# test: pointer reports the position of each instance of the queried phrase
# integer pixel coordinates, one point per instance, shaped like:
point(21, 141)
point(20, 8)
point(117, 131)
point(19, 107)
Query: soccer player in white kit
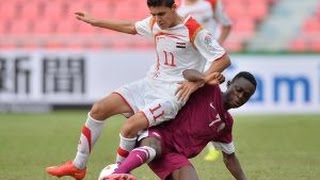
point(210, 14)
point(180, 44)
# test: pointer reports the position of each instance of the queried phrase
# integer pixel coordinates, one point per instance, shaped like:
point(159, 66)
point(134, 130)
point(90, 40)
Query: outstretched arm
point(124, 27)
point(196, 80)
point(196, 76)
point(232, 163)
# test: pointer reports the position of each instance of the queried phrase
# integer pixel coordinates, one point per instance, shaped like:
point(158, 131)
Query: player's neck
point(225, 103)
point(178, 20)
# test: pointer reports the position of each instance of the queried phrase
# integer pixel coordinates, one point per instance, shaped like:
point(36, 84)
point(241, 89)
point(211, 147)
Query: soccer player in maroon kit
point(205, 117)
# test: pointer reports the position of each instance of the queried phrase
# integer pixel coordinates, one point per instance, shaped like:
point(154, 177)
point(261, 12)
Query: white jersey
point(208, 13)
point(184, 46)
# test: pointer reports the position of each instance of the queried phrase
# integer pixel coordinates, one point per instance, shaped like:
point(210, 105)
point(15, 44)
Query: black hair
point(157, 3)
point(248, 76)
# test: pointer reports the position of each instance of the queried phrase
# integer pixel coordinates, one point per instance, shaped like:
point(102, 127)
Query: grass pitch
point(269, 147)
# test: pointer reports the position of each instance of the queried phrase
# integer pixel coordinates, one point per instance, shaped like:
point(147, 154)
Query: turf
point(270, 147)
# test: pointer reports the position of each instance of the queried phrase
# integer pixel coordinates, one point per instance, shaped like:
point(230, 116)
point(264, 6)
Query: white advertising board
point(286, 83)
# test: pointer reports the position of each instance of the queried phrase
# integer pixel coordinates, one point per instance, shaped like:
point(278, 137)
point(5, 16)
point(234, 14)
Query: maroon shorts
point(170, 160)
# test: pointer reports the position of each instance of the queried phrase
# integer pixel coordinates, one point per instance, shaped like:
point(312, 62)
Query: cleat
point(120, 177)
point(67, 169)
point(212, 155)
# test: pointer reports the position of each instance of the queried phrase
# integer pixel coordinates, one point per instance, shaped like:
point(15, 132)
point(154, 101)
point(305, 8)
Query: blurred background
point(49, 61)
point(259, 26)
point(47, 57)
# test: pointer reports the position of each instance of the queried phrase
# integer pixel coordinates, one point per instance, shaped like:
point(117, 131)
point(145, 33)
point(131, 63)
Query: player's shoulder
point(212, 88)
point(191, 23)
point(193, 26)
point(208, 91)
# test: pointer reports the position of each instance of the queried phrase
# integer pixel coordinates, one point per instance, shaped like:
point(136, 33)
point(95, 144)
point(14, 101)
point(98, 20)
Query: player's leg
point(134, 95)
point(101, 110)
point(212, 153)
point(150, 148)
point(123, 176)
point(151, 115)
point(169, 162)
point(128, 135)
point(186, 173)
point(152, 105)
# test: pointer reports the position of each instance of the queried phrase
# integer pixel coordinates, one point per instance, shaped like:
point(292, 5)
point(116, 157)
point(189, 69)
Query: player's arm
point(223, 19)
point(225, 31)
point(232, 163)
point(219, 64)
point(195, 80)
point(211, 50)
point(196, 76)
point(120, 26)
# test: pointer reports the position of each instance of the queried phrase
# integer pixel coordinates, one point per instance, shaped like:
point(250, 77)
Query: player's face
point(238, 92)
point(165, 17)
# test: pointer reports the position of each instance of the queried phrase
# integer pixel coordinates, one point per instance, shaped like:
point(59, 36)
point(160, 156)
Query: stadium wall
point(286, 83)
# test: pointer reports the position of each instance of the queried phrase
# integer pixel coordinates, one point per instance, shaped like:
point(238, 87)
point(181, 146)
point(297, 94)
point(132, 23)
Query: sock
point(90, 133)
point(211, 147)
point(136, 158)
point(125, 146)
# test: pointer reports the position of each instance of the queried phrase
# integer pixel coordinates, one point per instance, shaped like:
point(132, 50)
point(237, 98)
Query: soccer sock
point(211, 147)
point(136, 158)
point(89, 135)
point(125, 146)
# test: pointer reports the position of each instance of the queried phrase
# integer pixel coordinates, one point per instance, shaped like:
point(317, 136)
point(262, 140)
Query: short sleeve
point(228, 148)
point(208, 46)
point(143, 27)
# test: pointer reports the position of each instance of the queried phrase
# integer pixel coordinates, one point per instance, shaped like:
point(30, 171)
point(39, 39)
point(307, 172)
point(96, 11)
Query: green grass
point(269, 147)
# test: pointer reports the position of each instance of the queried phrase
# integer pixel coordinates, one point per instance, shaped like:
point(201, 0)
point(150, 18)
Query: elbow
point(132, 30)
point(227, 61)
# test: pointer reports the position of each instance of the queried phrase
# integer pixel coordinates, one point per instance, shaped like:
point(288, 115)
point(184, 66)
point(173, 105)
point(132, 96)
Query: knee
point(134, 124)
point(98, 112)
point(128, 129)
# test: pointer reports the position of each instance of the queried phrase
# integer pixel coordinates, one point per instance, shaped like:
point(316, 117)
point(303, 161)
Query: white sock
point(89, 135)
point(151, 153)
point(211, 146)
point(125, 146)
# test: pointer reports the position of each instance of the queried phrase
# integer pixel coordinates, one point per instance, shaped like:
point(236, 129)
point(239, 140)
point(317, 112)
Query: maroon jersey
point(201, 120)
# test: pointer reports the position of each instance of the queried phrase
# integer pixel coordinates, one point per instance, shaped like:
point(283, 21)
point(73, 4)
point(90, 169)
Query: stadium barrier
point(286, 83)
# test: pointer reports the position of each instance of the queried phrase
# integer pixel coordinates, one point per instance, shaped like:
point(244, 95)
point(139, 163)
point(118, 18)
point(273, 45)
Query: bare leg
point(185, 173)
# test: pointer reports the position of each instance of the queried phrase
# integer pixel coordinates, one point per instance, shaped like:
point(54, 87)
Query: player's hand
point(214, 78)
point(186, 88)
point(85, 17)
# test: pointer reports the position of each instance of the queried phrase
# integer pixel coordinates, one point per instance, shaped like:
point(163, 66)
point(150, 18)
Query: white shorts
point(155, 99)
